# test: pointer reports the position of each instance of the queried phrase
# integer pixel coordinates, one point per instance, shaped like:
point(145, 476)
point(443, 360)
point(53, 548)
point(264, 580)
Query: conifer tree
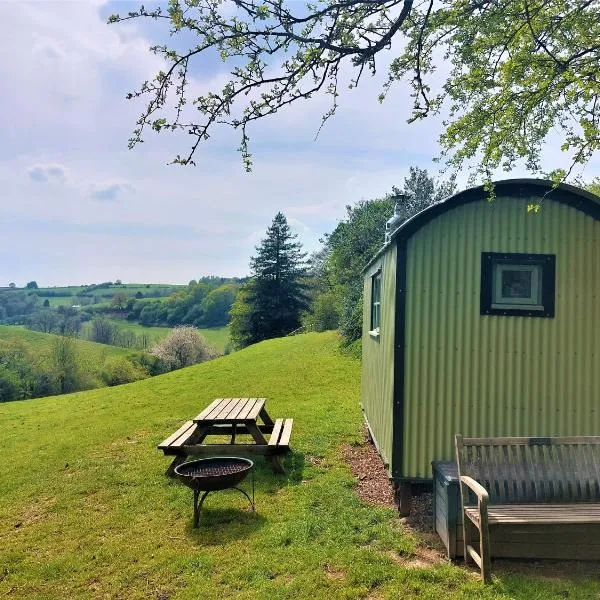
point(271, 304)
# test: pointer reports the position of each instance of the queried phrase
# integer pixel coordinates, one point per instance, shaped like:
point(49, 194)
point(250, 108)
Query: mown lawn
point(86, 511)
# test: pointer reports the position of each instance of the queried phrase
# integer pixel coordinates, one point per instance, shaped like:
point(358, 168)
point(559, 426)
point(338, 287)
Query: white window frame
point(375, 315)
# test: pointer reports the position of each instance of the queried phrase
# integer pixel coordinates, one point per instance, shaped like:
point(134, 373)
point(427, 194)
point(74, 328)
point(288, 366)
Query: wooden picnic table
point(232, 417)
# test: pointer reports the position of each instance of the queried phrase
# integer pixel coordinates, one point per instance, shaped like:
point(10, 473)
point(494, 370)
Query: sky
point(79, 207)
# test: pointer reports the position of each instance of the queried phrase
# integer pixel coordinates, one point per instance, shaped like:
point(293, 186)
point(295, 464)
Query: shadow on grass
point(222, 525)
point(550, 571)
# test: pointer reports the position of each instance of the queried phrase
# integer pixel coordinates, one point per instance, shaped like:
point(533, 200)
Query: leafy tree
point(516, 69)
point(119, 300)
point(593, 186)
point(10, 385)
point(358, 237)
point(32, 285)
point(103, 331)
point(65, 365)
point(218, 303)
point(46, 303)
point(276, 296)
point(16, 305)
point(324, 314)
point(44, 321)
point(12, 285)
point(118, 370)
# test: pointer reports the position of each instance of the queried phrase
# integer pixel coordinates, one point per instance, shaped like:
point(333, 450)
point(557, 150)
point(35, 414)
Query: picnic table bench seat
point(529, 497)
point(173, 444)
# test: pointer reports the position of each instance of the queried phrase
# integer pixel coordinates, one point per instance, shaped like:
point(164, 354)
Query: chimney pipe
point(399, 215)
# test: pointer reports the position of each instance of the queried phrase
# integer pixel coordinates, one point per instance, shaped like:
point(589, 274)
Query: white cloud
point(111, 191)
point(47, 173)
point(63, 104)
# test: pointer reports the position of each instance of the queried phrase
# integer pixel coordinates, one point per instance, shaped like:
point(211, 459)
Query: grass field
point(90, 351)
point(88, 513)
point(216, 336)
point(104, 295)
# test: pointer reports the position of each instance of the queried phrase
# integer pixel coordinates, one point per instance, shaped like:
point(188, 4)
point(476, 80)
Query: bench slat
point(184, 437)
point(539, 514)
point(287, 432)
point(183, 429)
point(274, 439)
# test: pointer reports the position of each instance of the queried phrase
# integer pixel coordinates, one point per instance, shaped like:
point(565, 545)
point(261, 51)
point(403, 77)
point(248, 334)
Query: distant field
point(90, 351)
point(151, 290)
point(217, 336)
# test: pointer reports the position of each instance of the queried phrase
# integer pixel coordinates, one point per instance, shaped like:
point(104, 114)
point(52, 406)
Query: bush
point(183, 347)
point(65, 366)
point(10, 385)
point(324, 314)
point(118, 370)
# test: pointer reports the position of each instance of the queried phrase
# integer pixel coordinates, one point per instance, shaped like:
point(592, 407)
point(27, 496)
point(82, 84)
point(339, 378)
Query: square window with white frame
point(518, 284)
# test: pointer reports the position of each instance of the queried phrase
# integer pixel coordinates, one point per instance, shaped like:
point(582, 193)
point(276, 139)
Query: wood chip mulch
point(374, 486)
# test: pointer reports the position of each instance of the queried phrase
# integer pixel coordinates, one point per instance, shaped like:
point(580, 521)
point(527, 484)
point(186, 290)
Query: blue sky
point(79, 207)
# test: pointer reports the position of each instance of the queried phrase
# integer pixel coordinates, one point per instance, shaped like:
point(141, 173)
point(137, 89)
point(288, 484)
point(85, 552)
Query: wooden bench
point(529, 497)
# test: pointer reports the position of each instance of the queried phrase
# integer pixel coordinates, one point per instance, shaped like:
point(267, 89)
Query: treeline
point(200, 304)
point(336, 269)
point(203, 303)
point(62, 364)
point(15, 305)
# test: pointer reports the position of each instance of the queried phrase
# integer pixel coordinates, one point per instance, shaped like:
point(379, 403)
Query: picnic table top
point(232, 410)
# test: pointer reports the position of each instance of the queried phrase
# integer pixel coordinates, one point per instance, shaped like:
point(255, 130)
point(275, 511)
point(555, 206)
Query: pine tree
point(271, 304)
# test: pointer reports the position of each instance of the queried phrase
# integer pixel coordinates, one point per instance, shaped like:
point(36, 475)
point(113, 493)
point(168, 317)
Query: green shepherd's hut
point(482, 318)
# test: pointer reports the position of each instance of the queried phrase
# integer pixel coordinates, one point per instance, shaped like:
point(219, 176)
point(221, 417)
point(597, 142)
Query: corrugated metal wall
point(498, 375)
point(377, 381)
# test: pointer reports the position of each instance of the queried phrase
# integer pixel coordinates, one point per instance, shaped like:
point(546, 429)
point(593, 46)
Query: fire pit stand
point(213, 474)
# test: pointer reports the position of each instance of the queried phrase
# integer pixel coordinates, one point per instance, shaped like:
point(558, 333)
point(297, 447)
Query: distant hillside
point(34, 364)
point(90, 350)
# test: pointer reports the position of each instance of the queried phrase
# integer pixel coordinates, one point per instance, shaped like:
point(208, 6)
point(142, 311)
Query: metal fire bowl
point(215, 473)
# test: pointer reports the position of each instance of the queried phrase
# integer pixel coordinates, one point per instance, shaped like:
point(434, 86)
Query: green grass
point(216, 336)
point(104, 294)
point(89, 351)
point(88, 513)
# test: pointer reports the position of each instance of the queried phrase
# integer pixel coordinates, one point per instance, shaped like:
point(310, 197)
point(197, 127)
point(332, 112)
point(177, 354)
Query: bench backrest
point(523, 470)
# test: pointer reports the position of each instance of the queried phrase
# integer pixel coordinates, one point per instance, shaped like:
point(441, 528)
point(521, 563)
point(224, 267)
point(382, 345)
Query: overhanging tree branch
point(499, 53)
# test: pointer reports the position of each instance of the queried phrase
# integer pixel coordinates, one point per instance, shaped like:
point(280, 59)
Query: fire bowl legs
point(199, 501)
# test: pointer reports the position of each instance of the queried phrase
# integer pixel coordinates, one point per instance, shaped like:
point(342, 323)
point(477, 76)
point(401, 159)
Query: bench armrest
point(476, 488)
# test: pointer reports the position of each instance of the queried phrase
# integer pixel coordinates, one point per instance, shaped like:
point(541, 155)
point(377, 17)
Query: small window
point(376, 302)
point(518, 284)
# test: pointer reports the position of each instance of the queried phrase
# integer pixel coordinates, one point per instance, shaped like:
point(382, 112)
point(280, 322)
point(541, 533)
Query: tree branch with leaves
point(519, 70)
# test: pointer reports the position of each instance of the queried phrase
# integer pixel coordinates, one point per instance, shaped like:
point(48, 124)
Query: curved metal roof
point(564, 193)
